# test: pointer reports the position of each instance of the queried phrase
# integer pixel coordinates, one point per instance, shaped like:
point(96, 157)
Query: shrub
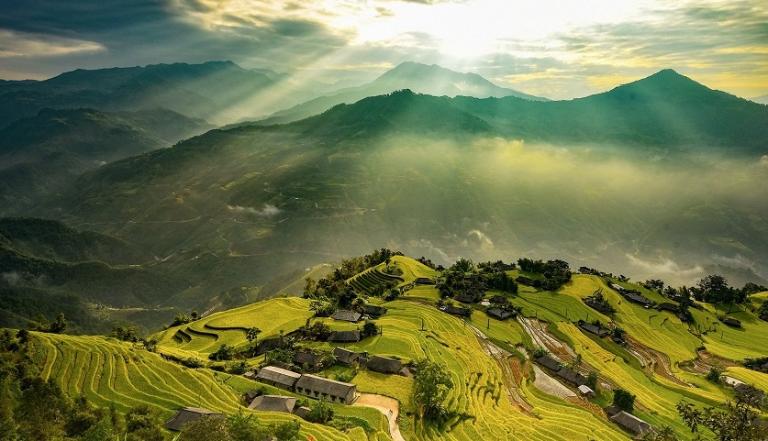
point(624, 400)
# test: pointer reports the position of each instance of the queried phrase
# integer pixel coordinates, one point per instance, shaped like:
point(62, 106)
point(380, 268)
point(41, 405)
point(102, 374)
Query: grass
point(229, 327)
point(109, 372)
point(478, 391)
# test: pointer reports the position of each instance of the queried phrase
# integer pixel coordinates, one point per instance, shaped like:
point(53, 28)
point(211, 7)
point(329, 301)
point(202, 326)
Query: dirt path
point(549, 385)
point(538, 332)
point(653, 361)
point(389, 407)
point(502, 357)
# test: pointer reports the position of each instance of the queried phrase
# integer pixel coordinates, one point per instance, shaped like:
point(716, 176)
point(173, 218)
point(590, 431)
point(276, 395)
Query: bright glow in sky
point(554, 48)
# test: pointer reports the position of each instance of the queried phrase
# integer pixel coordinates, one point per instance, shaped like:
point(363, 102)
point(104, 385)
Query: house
point(571, 376)
point(273, 403)
point(345, 356)
point(345, 336)
point(251, 375)
point(612, 410)
point(331, 390)
point(373, 311)
point(278, 377)
point(498, 300)
point(187, 415)
point(586, 391)
point(732, 322)
point(307, 359)
point(384, 365)
point(499, 313)
point(730, 381)
point(456, 310)
point(631, 423)
point(465, 297)
point(637, 298)
point(268, 344)
point(549, 362)
point(666, 306)
point(593, 328)
point(617, 287)
point(302, 412)
point(346, 315)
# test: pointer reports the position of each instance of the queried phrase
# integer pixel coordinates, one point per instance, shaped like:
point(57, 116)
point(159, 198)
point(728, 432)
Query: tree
point(288, 431)
point(320, 412)
point(735, 422)
point(225, 352)
point(59, 325)
point(592, 381)
point(714, 374)
point(143, 424)
point(430, 389)
point(369, 329)
point(207, 428)
point(252, 334)
point(624, 400)
point(246, 428)
point(310, 287)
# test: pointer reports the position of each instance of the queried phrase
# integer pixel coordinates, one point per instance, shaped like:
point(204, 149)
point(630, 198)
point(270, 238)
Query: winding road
point(389, 407)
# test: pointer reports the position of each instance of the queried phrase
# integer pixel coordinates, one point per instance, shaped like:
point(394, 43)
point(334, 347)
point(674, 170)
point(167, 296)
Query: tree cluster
point(556, 272)
point(430, 389)
point(238, 427)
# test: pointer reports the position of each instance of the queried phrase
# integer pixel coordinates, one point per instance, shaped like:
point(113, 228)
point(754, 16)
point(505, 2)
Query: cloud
point(665, 267)
point(19, 44)
point(478, 239)
point(268, 210)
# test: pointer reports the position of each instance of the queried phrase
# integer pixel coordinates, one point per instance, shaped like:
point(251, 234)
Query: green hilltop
point(501, 387)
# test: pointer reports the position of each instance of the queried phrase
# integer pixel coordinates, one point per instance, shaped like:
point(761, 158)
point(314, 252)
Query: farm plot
point(229, 327)
point(478, 396)
point(108, 373)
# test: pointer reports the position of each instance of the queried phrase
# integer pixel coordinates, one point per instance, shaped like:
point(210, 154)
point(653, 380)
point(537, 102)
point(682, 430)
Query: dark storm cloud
point(149, 31)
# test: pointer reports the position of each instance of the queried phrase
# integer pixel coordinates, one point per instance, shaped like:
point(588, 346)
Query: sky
point(554, 48)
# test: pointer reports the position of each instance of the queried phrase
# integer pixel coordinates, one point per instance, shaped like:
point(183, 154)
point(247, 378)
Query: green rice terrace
point(527, 355)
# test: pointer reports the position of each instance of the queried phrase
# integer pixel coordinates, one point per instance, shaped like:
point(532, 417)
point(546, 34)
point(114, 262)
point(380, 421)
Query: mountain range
point(221, 215)
point(420, 78)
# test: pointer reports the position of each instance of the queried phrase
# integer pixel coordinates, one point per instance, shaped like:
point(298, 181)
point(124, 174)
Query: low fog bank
point(640, 213)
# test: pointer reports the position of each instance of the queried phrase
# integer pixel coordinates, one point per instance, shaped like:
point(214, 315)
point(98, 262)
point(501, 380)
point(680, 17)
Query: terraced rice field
point(478, 391)
point(656, 398)
point(207, 334)
point(661, 331)
point(368, 280)
point(108, 373)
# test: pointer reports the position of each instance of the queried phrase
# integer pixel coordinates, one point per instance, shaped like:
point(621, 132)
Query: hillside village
point(593, 353)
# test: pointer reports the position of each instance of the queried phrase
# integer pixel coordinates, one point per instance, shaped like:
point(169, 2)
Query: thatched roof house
point(345, 336)
point(346, 315)
point(593, 329)
point(278, 377)
point(572, 376)
point(384, 365)
point(549, 362)
point(331, 390)
point(273, 403)
point(631, 423)
point(345, 356)
point(373, 311)
point(307, 358)
point(586, 391)
point(187, 415)
point(454, 310)
point(499, 313)
point(637, 298)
